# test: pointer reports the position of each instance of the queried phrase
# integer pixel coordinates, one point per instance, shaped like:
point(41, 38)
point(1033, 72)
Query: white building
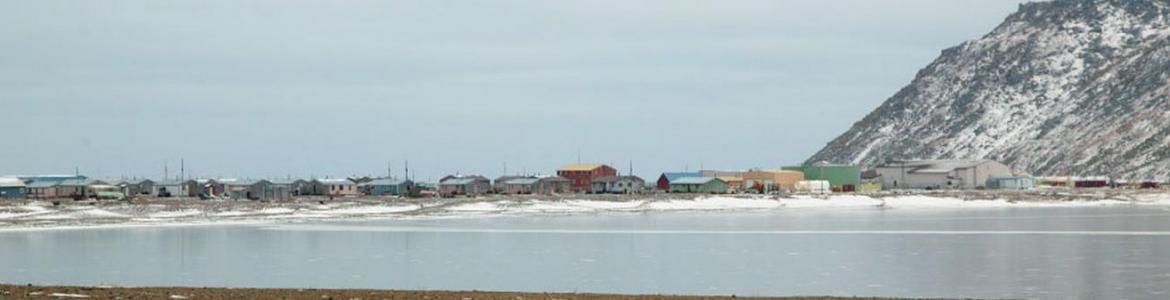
point(940, 174)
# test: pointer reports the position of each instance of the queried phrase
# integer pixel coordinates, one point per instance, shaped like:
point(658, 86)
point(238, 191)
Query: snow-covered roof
point(694, 180)
point(11, 182)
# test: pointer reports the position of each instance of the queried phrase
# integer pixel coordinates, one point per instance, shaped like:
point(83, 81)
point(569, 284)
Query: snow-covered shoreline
point(45, 216)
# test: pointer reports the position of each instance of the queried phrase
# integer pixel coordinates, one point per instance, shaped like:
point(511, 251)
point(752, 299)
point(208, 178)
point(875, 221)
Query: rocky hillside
point(1065, 87)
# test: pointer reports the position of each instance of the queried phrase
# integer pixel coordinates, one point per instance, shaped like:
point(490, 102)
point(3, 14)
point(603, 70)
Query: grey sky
point(326, 88)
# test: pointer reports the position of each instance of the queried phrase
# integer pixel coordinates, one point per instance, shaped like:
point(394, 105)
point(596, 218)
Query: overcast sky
point(327, 88)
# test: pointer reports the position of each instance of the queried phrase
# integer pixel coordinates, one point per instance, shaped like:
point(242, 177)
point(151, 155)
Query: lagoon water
point(1119, 252)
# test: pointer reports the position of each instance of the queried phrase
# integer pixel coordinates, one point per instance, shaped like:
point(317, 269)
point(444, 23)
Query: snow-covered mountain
point(1065, 87)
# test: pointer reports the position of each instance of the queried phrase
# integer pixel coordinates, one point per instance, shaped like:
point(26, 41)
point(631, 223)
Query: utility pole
point(182, 169)
point(166, 172)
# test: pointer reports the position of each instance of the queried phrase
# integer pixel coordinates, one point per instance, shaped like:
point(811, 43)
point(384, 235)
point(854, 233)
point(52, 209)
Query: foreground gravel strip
point(60, 292)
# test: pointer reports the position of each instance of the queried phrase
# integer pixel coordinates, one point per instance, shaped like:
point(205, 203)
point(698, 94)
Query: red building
point(581, 175)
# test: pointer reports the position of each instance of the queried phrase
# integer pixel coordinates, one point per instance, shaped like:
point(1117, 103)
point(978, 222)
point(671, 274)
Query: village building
point(718, 173)
point(41, 190)
point(665, 179)
point(769, 181)
point(241, 189)
point(170, 189)
point(552, 185)
point(260, 190)
point(451, 186)
point(299, 187)
point(1012, 182)
point(498, 184)
point(277, 190)
point(814, 186)
point(581, 176)
point(940, 174)
point(841, 178)
point(332, 187)
point(704, 185)
point(602, 185)
point(628, 184)
point(105, 192)
point(734, 184)
point(78, 189)
point(205, 188)
point(386, 187)
point(136, 187)
point(514, 185)
point(12, 188)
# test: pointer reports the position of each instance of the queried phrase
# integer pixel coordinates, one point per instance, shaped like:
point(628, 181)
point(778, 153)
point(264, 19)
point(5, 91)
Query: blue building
point(386, 187)
point(11, 188)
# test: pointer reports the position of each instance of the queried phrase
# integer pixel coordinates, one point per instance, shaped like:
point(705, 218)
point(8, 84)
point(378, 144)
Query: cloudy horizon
point(266, 89)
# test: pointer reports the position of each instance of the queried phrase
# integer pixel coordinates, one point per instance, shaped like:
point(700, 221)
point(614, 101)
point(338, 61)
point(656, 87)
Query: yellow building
point(734, 184)
point(765, 181)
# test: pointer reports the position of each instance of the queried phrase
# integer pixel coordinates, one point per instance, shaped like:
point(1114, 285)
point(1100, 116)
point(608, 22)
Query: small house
point(451, 186)
point(386, 187)
point(136, 187)
point(665, 179)
point(628, 184)
point(41, 190)
point(170, 189)
point(498, 184)
point(602, 185)
point(552, 185)
point(514, 185)
point(333, 187)
point(704, 185)
point(12, 188)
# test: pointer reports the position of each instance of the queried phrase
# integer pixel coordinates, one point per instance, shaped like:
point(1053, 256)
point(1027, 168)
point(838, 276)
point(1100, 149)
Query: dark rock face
point(1067, 87)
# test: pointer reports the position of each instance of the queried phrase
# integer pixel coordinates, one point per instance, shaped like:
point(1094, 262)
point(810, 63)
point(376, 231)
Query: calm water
point(1050, 253)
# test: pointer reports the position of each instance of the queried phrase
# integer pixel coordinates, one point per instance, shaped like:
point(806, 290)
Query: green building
point(844, 178)
point(705, 185)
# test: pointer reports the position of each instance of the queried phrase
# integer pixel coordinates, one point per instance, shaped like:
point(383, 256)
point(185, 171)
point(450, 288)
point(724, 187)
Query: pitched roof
point(43, 184)
point(580, 167)
point(525, 181)
point(694, 180)
point(11, 182)
point(334, 181)
point(386, 181)
point(672, 176)
point(461, 180)
point(554, 178)
point(632, 178)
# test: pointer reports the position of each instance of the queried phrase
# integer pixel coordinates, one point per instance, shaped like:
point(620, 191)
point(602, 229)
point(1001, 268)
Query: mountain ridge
point(1074, 87)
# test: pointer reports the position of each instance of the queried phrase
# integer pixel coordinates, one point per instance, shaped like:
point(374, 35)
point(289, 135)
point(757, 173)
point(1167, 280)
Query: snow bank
point(79, 216)
point(714, 203)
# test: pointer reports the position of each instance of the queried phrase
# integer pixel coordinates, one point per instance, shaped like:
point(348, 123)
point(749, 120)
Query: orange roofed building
point(581, 175)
